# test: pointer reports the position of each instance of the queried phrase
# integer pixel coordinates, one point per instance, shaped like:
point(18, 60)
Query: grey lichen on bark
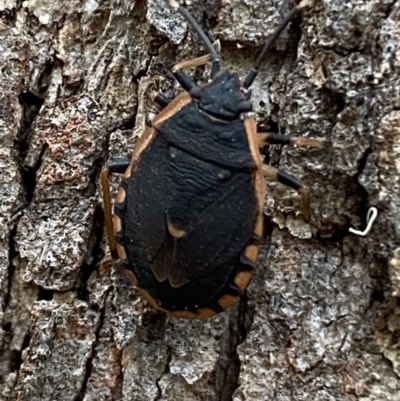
point(321, 317)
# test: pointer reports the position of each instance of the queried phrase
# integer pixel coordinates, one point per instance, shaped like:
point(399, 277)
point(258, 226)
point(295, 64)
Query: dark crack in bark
point(240, 321)
point(92, 356)
point(94, 254)
point(333, 101)
point(30, 108)
point(166, 370)
point(11, 267)
point(31, 105)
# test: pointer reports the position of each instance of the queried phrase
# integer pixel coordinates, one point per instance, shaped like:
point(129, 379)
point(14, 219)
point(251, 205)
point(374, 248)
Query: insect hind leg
point(118, 166)
point(273, 174)
point(271, 138)
point(160, 100)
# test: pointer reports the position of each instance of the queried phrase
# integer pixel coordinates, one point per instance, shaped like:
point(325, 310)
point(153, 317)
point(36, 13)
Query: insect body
point(188, 215)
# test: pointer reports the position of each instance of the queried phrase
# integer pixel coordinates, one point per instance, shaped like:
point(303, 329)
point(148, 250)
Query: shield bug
point(188, 216)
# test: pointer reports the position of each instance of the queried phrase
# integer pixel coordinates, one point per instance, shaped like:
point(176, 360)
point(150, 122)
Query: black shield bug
point(188, 216)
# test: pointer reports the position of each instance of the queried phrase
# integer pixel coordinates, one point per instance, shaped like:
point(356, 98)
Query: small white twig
point(371, 216)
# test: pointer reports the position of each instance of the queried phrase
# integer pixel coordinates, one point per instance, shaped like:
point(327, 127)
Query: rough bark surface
point(321, 320)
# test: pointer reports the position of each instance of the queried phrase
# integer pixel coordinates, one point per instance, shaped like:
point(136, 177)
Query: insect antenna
point(251, 76)
point(199, 30)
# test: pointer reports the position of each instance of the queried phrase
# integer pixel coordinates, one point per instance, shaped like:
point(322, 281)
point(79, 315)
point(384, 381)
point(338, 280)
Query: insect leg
point(273, 174)
point(195, 62)
point(184, 80)
point(108, 215)
point(117, 166)
point(160, 100)
point(270, 138)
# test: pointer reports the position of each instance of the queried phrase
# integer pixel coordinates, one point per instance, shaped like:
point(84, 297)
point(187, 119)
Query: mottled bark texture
point(321, 320)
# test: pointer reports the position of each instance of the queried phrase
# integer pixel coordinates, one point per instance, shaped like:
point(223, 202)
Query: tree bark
point(320, 320)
